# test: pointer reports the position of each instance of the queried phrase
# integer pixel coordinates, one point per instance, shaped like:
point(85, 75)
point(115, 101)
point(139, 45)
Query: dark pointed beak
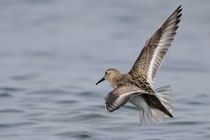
point(100, 81)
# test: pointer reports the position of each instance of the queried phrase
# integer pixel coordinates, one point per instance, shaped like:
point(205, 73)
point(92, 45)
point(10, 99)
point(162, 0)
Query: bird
point(136, 86)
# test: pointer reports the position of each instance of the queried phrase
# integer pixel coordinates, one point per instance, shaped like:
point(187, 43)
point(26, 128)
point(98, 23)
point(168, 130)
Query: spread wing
point(156, 47)
point(120, 96)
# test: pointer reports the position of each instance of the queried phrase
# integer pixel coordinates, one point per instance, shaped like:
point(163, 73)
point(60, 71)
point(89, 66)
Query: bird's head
point(112, 75)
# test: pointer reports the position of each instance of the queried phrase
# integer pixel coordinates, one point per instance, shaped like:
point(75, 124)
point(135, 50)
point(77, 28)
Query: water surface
point(53, 52)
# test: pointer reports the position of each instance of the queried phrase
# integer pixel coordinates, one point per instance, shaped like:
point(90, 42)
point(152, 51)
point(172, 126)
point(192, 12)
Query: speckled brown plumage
point(159, 43)
point(137, 83)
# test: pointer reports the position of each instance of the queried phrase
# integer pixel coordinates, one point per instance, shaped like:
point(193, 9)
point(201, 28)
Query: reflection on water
point(53, 53)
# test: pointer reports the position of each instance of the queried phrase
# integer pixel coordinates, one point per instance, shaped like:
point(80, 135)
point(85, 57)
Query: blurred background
point(52, 52)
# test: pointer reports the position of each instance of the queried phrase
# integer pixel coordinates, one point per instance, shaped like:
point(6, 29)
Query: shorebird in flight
point(136, 86)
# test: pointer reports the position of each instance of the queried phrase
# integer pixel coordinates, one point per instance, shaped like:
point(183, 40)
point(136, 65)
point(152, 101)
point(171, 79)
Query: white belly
point(139, 102)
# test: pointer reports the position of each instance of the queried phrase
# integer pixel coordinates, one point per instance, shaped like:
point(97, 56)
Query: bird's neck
point(116, 80)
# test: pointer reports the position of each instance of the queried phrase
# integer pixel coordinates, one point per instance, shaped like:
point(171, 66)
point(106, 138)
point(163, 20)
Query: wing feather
point(153, 53)
point(120, 96)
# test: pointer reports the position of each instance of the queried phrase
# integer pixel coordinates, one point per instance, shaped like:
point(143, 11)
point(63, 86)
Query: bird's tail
point(165, 95)
point(151, 115)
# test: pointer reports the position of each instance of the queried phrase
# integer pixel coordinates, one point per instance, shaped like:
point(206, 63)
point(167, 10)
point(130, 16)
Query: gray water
point(52, 52)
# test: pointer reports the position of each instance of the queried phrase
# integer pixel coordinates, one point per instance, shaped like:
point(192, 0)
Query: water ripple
point(88, 117)
point(186, 123)
point(76, 134)
point(67, 102)
point(24, 77)
point(11, 111)
point(11, 89)
point(50, 92)
point(5, 95)
point(19, 124)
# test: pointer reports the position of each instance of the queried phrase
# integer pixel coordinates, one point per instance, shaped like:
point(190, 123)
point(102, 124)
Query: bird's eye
point(105, 73)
